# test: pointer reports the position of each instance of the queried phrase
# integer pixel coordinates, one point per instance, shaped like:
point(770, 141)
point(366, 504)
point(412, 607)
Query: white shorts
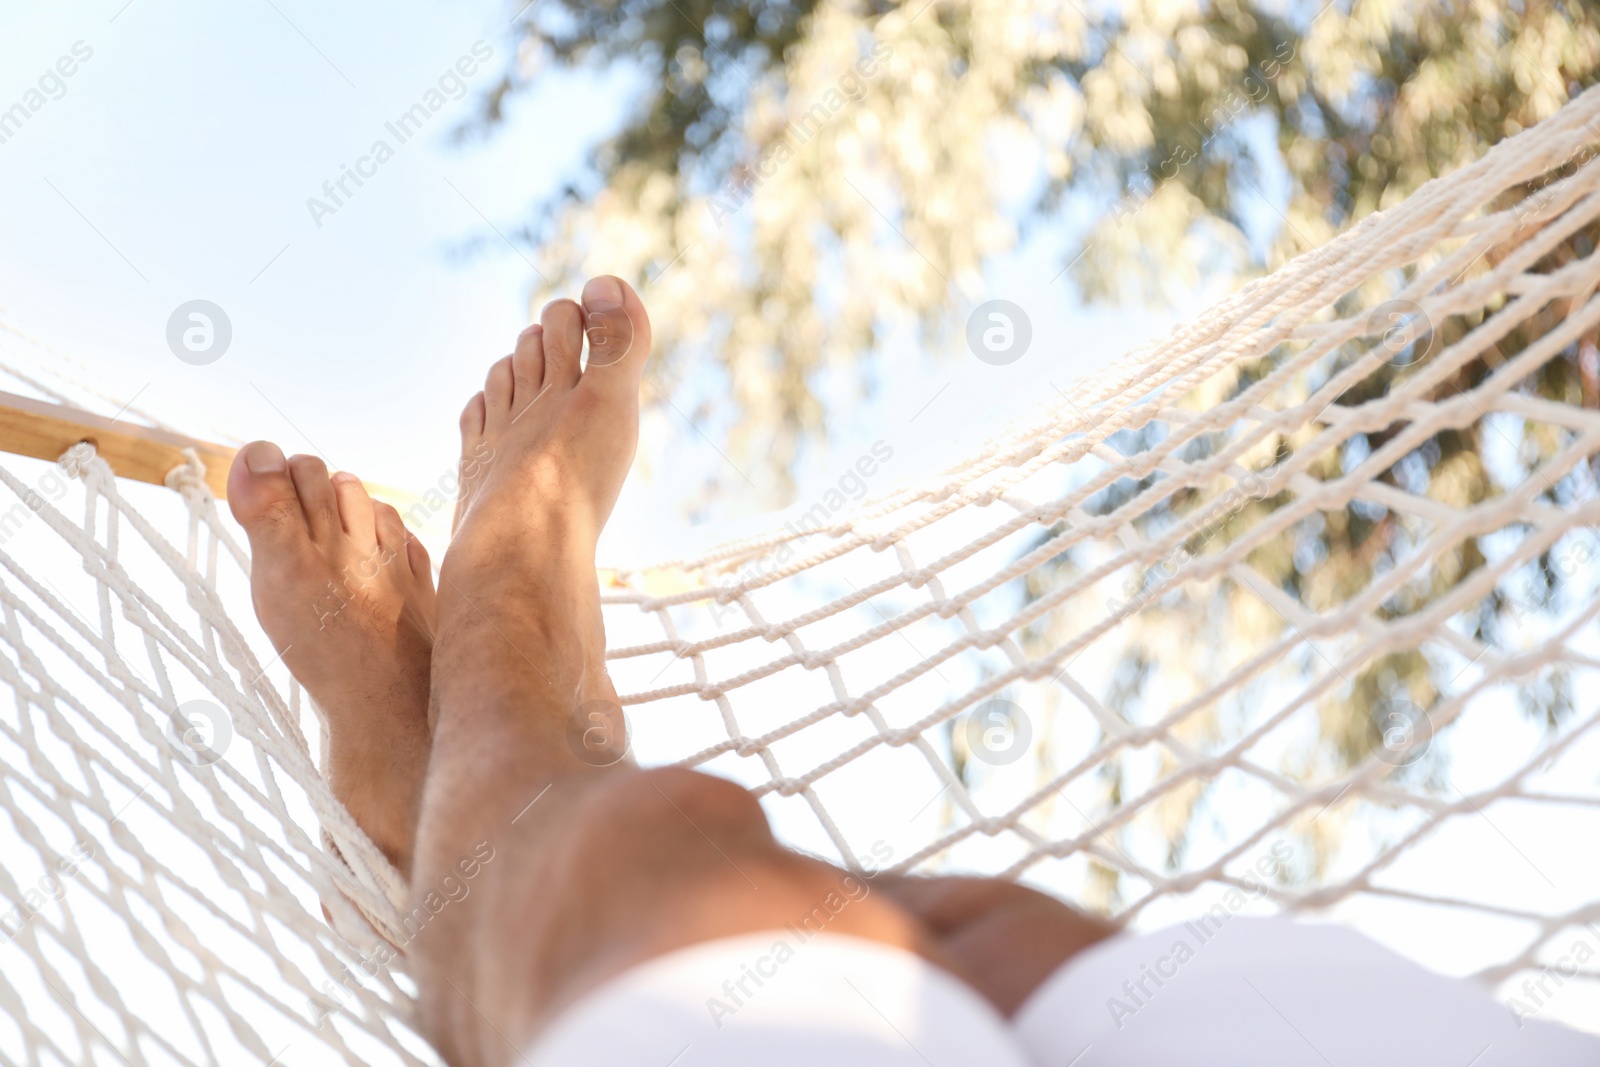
point(1250, 993)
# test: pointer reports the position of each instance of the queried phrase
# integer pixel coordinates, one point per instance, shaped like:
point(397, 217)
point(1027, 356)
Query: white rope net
point(1291, 609)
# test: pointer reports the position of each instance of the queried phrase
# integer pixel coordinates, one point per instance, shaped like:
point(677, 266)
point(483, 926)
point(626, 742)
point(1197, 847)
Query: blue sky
point(177, 161)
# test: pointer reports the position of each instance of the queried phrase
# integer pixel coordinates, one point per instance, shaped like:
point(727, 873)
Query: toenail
point(610, 333)
point(345, 478)
point(264, 457)
point(532, 331)
point(603, 288)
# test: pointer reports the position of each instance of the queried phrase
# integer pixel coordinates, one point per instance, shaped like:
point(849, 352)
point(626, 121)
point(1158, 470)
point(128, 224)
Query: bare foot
point(546, 447)
point(346, 595)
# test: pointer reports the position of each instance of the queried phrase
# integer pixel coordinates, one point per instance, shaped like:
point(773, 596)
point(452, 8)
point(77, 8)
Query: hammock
point(1105, 655)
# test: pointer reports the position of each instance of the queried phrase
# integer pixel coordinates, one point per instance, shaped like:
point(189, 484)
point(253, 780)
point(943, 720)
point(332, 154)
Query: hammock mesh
point(1113, 655)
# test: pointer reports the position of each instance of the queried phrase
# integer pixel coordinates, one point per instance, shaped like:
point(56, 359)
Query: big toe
point(262, 496)
point(617, 327)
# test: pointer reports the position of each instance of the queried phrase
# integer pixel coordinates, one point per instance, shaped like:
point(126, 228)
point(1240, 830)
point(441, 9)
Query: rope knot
point(76, 460)
point(189, 477)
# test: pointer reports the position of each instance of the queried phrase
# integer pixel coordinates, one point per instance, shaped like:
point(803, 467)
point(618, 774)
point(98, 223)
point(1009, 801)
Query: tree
point(800, 175)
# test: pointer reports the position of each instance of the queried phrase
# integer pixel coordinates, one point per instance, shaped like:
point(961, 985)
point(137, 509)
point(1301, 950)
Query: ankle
point(538, 653)
point(536, 539)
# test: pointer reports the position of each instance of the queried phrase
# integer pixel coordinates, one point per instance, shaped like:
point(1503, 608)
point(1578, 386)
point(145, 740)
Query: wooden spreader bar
point(36, 428)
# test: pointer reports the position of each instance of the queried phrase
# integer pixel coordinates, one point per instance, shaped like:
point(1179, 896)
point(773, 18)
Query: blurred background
point(820, 203)
point(813, 199)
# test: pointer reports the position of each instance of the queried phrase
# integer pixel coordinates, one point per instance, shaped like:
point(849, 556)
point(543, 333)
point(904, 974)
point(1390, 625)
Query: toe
point(262, 496)
point(417, 557)
point(472, 421)
point(497, 390)
point(618, 327)
point(527, 367)
point(391, 532)
point(563, 342)
point(355, 509)
point(404, 554)
point(317, 499)
point(390, 528)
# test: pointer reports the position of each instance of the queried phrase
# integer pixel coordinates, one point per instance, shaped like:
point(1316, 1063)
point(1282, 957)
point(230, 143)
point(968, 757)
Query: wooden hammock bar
point(42, 430)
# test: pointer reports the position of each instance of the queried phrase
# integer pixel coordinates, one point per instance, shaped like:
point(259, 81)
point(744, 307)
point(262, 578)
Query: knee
point(668, 802)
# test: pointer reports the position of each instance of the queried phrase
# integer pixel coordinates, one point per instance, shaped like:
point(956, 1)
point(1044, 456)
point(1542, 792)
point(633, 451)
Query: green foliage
point(1173, 143)
point(1170, 120)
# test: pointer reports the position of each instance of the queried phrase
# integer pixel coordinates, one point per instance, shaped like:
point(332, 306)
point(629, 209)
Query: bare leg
point(611, 865)
point(355, 610)
point(346, 595)
point(595, 868)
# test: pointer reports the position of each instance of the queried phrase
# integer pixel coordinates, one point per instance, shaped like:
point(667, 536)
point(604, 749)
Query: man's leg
point(343, 588)
point(346, 595)
point(595, 868)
